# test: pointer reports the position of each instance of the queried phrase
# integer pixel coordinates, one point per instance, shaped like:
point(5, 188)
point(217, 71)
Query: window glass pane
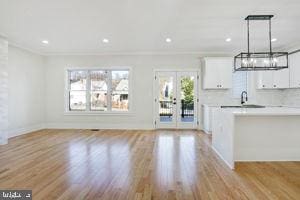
point(99, 101)
point(120, 80)
point(98, 80)
point(78, 80)
point(77, 100)
point(119, 101)
point(120, 87)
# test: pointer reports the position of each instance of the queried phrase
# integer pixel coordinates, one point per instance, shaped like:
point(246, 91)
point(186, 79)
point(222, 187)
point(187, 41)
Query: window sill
point(97, 113)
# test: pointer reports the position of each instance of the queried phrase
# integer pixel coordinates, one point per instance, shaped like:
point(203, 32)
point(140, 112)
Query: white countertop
point(263, 111)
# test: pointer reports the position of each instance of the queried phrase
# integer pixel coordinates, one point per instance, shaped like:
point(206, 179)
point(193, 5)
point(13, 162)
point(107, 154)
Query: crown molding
point(11, 43)
point(140, 53)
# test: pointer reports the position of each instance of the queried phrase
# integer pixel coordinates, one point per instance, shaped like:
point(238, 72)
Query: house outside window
point(98, 90)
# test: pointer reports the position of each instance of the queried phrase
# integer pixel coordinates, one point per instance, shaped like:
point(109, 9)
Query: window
point(98, 90)
point(239, 83)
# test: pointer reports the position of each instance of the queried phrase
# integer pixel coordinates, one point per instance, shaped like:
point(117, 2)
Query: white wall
point(26, 91)
point(143, 66)
point(3, 91)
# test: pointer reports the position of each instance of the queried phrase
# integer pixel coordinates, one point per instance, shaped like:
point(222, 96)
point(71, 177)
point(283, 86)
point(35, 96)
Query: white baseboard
point(220, 156)
point(99, 126)
point(20, 131)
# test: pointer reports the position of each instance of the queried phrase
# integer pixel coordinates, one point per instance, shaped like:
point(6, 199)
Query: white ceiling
point(141, 26)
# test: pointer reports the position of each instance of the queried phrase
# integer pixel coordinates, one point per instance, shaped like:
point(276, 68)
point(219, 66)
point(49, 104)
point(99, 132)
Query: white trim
point(87, 111)
point(81, 113)
point(101, 126)
point(222, 158)
point(269, 160)
point(142, 53)
point(24, 130)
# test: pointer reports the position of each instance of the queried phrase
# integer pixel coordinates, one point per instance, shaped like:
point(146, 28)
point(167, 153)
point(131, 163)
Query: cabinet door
point(281, 79)
point(206, 119)
point(225, 73)
point(217, 73)
point(294, 65)
point(265, 80)
point(210, 74)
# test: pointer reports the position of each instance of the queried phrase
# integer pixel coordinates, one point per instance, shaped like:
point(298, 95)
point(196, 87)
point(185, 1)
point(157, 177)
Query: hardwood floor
point(136, 165)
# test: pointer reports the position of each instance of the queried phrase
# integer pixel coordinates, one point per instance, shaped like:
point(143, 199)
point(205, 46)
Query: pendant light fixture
point(259, 61)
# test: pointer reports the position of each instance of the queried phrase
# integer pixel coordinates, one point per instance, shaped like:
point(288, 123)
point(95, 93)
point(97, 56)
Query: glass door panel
point(176, 100)
point(166, 100)
point(187, 98)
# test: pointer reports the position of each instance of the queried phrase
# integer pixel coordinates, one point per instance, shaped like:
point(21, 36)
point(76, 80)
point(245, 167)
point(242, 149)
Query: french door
point(175, 96)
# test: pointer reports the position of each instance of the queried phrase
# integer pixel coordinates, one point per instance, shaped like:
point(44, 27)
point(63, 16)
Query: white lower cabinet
point(207, 118)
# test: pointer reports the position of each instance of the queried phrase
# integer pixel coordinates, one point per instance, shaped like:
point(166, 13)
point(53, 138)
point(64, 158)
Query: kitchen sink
point(245, 106)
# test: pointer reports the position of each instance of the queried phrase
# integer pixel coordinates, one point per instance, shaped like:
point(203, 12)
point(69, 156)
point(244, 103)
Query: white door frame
point(176, 123)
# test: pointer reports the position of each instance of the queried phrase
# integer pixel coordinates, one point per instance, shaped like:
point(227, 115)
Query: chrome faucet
point(244, 95)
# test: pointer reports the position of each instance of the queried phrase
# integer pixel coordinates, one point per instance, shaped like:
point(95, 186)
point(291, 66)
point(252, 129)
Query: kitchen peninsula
point(256, 134)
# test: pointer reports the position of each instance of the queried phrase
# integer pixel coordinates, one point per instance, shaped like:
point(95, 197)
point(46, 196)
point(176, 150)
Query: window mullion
point(109, 90)
point(88, 92)
point(69, 90)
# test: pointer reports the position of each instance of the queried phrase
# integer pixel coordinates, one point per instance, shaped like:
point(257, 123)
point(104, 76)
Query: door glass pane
point(166, 93)
point(120, 90)
point(99, 100)
point(187, 98)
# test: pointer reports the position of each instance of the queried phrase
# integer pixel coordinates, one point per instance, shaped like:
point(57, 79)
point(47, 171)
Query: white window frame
point(67, 111)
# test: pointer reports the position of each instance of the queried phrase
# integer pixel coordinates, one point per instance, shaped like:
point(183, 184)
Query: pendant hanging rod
point(248, 35)
point(270, 35)
point(259, 17)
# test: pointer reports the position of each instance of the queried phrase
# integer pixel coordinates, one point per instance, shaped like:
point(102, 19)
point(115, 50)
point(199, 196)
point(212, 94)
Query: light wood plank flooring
point(136, 165)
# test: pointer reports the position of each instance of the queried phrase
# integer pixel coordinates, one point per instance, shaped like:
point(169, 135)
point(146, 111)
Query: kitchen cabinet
point(273, 79)
point(217, 72)
point(207, 117)
point(294, 65)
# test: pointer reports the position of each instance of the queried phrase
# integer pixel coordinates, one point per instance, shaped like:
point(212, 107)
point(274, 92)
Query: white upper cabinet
point(265, 79)
point(273, 79)
point(217, 72)
point(294, 65)
point(281, 79)
point(278, 79)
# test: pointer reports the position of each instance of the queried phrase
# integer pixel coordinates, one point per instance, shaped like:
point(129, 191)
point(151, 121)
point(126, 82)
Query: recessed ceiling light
point(105, 40)
point(168, 40)
point(45, 42)
point(228, 39)
point(274, 39)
